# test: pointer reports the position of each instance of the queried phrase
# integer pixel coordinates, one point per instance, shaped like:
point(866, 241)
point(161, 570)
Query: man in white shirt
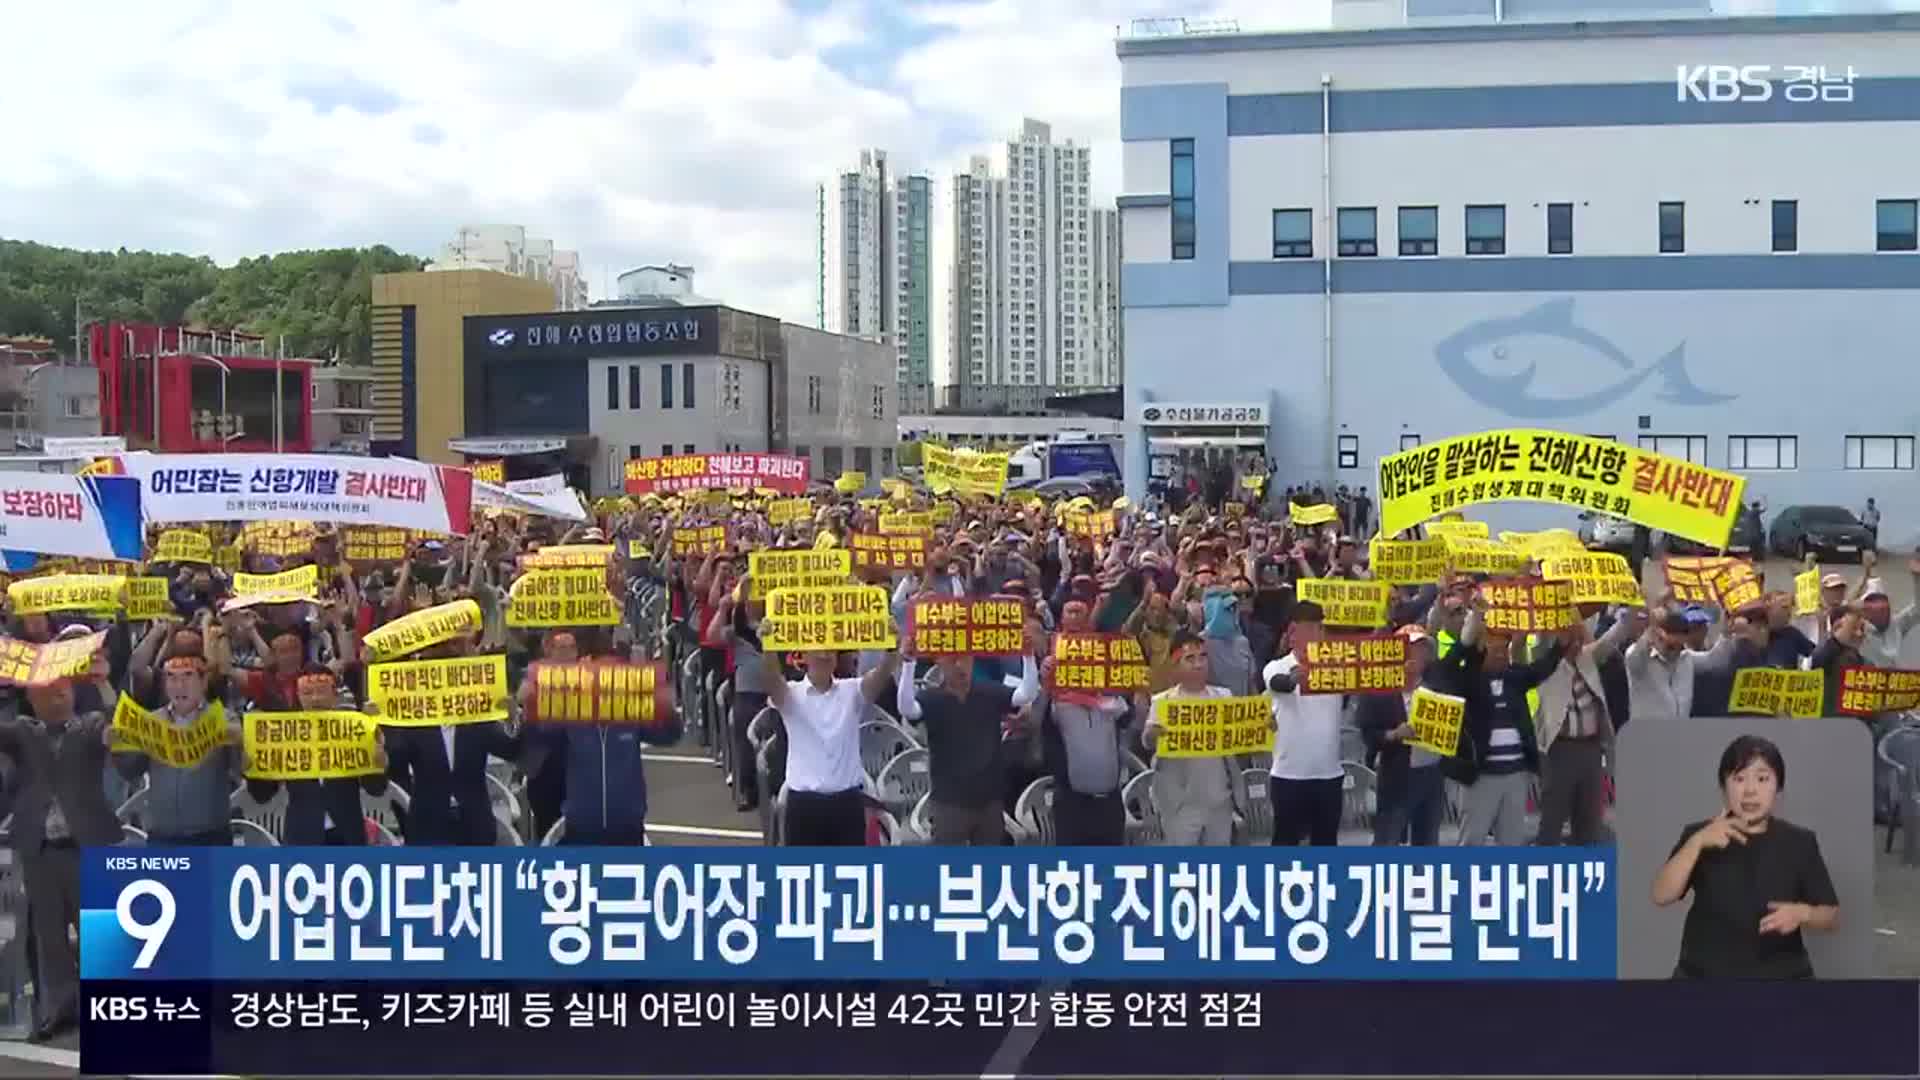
point(1660, 668)
point(826, 806)
point(1307, 786)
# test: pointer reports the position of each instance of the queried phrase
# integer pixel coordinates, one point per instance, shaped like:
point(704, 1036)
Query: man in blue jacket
point(606, 778)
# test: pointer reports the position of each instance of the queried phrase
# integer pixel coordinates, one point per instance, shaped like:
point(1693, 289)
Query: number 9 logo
point(150, 935)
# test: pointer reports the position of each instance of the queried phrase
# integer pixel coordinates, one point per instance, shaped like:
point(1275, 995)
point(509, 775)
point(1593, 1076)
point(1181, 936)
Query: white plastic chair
point(555, 834)
point(1257, 828)
point(378, 835)
point(384, 809)
point(131, 836)
point(505, 832)
point(249, 833)
point(507, 803)
point(919, 830)
point(134, 810)
point(880, 742)
point(1034, 811)
point(1130, 765)
point(270, 816)
point(904, 781)
point(1143, 818)
point(1359, 796)
point(889, 828)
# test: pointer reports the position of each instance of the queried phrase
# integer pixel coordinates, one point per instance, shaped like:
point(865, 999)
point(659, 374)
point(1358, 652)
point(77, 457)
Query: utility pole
point(279, 423)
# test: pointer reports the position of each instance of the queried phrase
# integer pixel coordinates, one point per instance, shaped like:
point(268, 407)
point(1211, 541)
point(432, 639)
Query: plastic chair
point(1353, 747)
point(249, 833)
point(555, 834)
point(384, 809)
point(1130, 765)
point(1359, 795)
point(131, 836)
point(723, 724)
point(1143, 817)
point(710, 714)
point(379, 835)
point(904, 781)
point(134, 810)
point(880, 742)
point(883, 828)
point(505, 832)
point(919, 828)
point(687, 694)
point(270, 816)
point(1258, 825)
point(1899, 753)
point(507, 803)
point(16, 985)
point(1034, 812)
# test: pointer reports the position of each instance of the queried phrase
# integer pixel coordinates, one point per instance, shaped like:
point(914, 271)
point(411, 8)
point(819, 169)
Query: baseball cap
point(1833, 581)
point(1696, 615)
point(1875, 587)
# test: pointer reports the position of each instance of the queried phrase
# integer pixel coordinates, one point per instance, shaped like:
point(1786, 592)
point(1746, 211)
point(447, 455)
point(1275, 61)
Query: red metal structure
point(179, 390)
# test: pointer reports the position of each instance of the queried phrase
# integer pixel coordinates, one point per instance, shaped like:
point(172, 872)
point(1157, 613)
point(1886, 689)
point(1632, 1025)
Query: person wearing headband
point(1195, 796)
point(320, 812)
point(187, 806)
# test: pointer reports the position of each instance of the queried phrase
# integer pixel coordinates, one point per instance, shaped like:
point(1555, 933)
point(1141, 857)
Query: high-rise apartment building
point(507, 249)
point(1035, 279)
point(874, 276)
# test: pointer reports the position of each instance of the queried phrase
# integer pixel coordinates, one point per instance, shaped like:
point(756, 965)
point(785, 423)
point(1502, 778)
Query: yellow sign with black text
point(1408, 562)
point(66, 592)
point(1348, 603)
point(841, 618)
point(320, 745)
point(1436, 720)
point(135, 730)
point(430, 693)
point(1776, 692)
point(798, 569)
point(1196, 727)
point(576, 597)
point(423, 629)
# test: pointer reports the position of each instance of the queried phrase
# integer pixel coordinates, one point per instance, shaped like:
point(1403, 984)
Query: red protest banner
point(1865, 691)
point(23, 663)
point(600, 692)
point(1528, 605)
point(783, 473)
point(1355, 664)
point(1098, 664)
point(951, 626)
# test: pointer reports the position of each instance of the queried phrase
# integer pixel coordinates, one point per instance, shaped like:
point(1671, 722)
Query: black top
point(963, 742)
point(1731, 890)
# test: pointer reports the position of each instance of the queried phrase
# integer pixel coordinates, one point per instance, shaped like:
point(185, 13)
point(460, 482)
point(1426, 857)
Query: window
point(1408, 440)
point(1786, 225)
point(633, 386)
point(689, 448)
point(830, 463)
point(863, 459)
point(686, 386)
point(803, 451)
point(1560, 228)
point(82, 406)
point(1349, 447)
point(1896, 225)
point(1419, 230)
point(1486, 230)
point(353, 425)
point(1182, 173)
point(1763, 452)
point(813, 394)
point(613, 388)
point(1690, 447)
point(1358, 229)
point(666, 449)
point(1673, 228)
point(634, 451)
point(886, 460)
point(666, 386)
point(1879, 451)
point(879, 402)
point(1293, 234)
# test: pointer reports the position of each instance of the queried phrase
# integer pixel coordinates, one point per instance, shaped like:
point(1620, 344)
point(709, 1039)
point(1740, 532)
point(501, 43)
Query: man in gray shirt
point(188, 806)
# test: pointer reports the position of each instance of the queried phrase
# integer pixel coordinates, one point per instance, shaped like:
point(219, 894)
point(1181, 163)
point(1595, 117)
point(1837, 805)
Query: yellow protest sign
point(1192, 727)
point(600, 692)
point(1687, 576)
point(1408, 562)
point(576, 597)
point(1253, 482)
point(227, 558)
point(1313, 515)
point(944, 510)
point(1468, 555)
point(24, 663)
point(492, 472)
point(183, 545)
point(66, 592)
point(1472, 530)
point(1348, 603)
point(849, 482)
point(966, 471)
point(1092, 524)
point(1595, 577)
point(840, 618)
point(286, 587)
point(907, 521)
point(278, 537)
point(429, 693)
point(423, 629)
point(1436, 720)
point(374, 544)
point(150, 598)
point(700, 540)
point(1660, 492)
point(1544, 544)
point(802, 569)
point(1806, 593)
point(1734, 586)
point(1776, 692)
point(135, 730)
point(327, 745)
point(567, 556)
point(784, 511)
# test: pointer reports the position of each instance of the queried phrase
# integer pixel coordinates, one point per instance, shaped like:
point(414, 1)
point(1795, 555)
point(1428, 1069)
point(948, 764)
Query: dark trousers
point(1306, 811)
point(210, 838)
point(967, 826)
point(746, 778)
point(1413, 815)
point(613, 836)
point(712, 661)
point(53, 906)
point(1572, 787)
point(1088, 820)
point(826, 819)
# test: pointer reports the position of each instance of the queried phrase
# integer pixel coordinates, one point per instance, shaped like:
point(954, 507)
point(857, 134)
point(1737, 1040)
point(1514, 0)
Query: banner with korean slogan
point(700, 540)
point(1594, 578)
point(66, 592)
point(493, 471)
point(1096, 525)
point(423, 629)
point(600, 692)
point(783, 473)
point(849, 482)
point(898, 551)
point(1355, 664)
point(24, 663)
point(1461, 527)
point(1407, 562)
point(1436, 719)
point(368, 545)
point(1320, 514)
point(786, 511)
point(1660, 492)
point(150, 598)
point(286, 587)
point(281, 538)
point(1866, 691)
point(1806, 593)
point(1473, 555)
point(304, 487)
point(567, 557)
point(968, 472)
point(577, 597)
point(907, 521)
point(1090, 663)
point(1544, 544)
point(136, 730)
point(1774, 692)
point(843, 618)
point(951, 626)
point(1193, 727)
point(94, 517)
point(1734, 586)
point(1348, 603)
point(317, 745)
point(798, 569)
point(1528, 606)
point(182, 546)
point(1687, 576)
point(430, 693)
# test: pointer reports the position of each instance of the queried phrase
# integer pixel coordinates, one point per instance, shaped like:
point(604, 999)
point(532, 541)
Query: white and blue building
point(1694, 233)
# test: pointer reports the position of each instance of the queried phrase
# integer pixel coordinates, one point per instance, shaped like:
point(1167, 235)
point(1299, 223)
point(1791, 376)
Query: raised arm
point(874, 683)
point(907, 695)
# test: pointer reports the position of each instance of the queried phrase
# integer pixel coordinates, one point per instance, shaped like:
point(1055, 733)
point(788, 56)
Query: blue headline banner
point(232, 914)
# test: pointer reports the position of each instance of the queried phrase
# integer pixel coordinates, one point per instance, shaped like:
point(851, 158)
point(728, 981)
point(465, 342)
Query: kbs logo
point(1723, 82)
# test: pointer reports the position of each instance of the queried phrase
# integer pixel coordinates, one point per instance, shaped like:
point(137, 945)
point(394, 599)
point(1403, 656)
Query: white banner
point(74, 448)
point(93, 517)
point(396, 492)
point(562, 503)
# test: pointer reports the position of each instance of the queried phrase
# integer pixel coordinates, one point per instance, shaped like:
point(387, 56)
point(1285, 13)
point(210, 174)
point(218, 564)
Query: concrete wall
point(718, 419)
point(838, 410)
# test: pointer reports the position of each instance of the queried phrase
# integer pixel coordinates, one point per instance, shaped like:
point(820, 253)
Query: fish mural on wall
point(1464, 356)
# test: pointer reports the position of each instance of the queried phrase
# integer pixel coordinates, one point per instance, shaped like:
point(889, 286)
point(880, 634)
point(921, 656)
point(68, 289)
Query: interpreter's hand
point(1784, 918)
point(1720, 832)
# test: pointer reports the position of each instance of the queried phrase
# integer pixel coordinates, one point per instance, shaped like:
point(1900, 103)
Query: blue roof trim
point(1467, 108)
point(1142, 202)
point(1596, 273)
point(1858, 23)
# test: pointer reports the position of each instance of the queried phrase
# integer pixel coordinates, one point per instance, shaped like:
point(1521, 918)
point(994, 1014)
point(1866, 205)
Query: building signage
point(481, 447)
point(1185, 414)
point(86, 446)
point(1761, 82)
point(608, 332)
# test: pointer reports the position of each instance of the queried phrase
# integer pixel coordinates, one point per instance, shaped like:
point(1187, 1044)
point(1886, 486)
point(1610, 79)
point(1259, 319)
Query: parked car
point(1602, 533)
point(1748, 537)
point(1826, 531)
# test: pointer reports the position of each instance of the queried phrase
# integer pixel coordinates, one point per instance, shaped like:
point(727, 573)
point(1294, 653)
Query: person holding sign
point(1574, 728)
point(322, 812)
point(187, 804)
point(1085, 761)
point(1412, 792)
point(1307, 782)
point(443, 767)
point(964, 721)
point(826, 804)
point(1196, 796)
point(1498, 753)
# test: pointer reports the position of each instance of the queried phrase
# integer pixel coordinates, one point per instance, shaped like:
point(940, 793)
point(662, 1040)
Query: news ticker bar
point(842, 1029)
